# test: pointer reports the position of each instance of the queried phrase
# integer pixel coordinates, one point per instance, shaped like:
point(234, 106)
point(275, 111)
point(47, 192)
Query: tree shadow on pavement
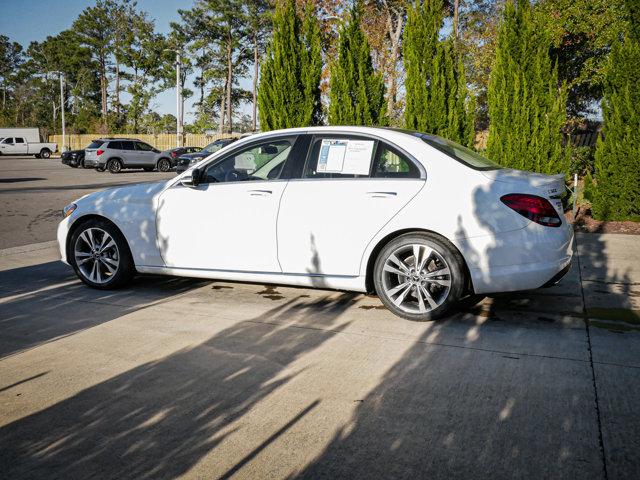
point(159, 419)
point(44, 302)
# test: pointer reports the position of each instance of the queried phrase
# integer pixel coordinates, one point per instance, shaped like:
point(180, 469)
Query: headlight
point(68, 210)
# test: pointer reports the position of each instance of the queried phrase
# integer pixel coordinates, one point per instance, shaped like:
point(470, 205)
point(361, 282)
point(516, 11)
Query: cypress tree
point(617, 162)
point(527, 109)
point(437, 97)
point(356, 91)
point(289, 90)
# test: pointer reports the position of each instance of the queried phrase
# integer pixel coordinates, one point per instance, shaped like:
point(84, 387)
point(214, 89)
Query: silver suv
point(114, 154)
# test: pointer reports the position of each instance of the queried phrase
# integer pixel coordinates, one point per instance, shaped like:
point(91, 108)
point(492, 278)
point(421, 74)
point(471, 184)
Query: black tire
point(114, 165)
point(164, 165)
point(45, 153)
point(125, 270)
point(446, 251)
point(37, 156)
point(82, 163)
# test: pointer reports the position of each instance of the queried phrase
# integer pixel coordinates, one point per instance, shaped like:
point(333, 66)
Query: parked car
point(186, 160)
point(73, 158)
point(169, 158)
point(114, 154)
point(20, 146)
point(420, 220)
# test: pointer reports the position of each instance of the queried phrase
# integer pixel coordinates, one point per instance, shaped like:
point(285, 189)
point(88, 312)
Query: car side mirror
point(192, 180)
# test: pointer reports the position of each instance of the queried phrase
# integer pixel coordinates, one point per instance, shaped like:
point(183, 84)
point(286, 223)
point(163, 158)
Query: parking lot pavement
point(177, 377)
point(33, 192)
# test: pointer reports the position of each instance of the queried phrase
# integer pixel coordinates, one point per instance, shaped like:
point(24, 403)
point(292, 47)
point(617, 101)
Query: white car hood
point(136, 193)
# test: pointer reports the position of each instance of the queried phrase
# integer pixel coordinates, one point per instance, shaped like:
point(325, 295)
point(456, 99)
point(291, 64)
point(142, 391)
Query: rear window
point(95, 144)
point(458, 152)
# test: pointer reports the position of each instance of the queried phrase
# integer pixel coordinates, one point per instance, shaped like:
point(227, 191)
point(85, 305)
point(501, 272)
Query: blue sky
point(36, 19)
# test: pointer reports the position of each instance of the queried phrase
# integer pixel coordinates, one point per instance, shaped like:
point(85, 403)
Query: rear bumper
point(525, 259)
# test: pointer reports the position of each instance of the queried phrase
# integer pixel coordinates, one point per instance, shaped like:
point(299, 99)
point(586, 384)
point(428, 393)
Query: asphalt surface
point(184, 378)
point(34, 191)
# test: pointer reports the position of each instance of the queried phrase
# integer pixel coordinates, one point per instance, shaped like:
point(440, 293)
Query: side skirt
point(331, 282)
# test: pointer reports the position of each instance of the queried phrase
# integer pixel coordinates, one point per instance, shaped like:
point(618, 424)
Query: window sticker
point(349, 157)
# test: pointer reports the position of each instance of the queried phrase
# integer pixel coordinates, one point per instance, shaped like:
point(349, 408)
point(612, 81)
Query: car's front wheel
point(419, 276)
point(164, 165)
point(100, 255)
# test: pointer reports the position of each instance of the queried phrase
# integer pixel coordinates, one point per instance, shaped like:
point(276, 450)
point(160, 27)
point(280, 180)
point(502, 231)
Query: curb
point(28, 248)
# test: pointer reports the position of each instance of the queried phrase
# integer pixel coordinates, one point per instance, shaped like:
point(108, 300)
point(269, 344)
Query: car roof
point(116, 138)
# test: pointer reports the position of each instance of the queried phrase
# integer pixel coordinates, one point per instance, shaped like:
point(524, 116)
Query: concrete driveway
point(177, 377)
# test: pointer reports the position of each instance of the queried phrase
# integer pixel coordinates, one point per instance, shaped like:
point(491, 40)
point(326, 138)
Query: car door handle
point(381, 194)
point(259, 193)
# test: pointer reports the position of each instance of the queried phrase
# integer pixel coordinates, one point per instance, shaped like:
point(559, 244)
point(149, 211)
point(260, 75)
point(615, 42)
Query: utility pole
point(178, 102)
point(63, 148)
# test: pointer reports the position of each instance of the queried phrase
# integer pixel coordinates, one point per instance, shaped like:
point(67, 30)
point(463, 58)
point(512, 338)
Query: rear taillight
point(536, 209)
point(99, 152)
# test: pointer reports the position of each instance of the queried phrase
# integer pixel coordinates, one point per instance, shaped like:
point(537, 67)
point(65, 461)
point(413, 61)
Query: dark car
point(168, 158)
point(73, 158)
point(188, 159)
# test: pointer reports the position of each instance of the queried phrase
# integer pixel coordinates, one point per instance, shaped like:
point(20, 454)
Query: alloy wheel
point(416, 278)
point(114, 166)
point(96, 255)
point(164, 165)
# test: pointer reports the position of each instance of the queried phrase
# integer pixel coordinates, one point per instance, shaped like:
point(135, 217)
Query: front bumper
point(61, 236)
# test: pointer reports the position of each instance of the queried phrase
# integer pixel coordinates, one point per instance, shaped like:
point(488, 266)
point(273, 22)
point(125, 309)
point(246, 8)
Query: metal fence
point(162, 141)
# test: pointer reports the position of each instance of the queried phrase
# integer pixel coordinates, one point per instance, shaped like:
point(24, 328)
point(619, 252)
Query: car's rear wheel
point(164, 165)
point(45, 153)
point(100, 255)
point(419, 276)
point(114, 165)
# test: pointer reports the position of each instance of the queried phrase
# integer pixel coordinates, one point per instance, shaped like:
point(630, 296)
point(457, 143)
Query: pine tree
point(289, 90)
point(356, 91)
point(437, 97)
point(527, 109)
point(617, 163)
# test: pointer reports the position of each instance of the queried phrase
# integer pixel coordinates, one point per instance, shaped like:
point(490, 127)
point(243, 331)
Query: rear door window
point(127, 146)
point(115, 145)
point(95, 144)
point(19, 140)
point(340, 156)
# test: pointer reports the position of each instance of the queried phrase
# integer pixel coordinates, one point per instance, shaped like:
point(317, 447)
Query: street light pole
point(63, 148)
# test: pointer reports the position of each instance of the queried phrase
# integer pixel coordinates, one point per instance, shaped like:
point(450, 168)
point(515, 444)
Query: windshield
point(458, 152)
point(213, 147)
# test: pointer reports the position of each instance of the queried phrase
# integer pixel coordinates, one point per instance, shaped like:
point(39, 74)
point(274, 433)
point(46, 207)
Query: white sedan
point(420, 220)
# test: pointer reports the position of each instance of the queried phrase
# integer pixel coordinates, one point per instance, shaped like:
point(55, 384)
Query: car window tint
point(127, 146)
point(115, 145)
point(8, 140)
point(390, 163)
point(95, 144)
point(263, 161)
point(340, 157)
point(19, 140)
point(145, 147)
